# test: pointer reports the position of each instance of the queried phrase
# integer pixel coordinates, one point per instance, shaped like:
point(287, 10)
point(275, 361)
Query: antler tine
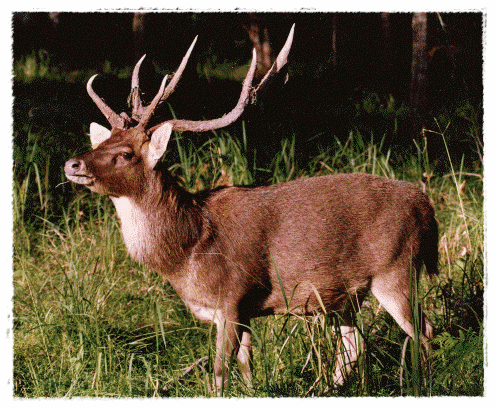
point(175, 79)
point(156, 101)
point(135, 96)
point(115, 120)
point(201, 126)
point(164, 93)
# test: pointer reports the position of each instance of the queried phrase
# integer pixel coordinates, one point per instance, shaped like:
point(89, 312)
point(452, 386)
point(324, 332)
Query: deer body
point(236, 253)
point(333, 234)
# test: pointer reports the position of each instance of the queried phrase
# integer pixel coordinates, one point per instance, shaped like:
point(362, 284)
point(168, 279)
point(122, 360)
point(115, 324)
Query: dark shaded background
point(318, 103)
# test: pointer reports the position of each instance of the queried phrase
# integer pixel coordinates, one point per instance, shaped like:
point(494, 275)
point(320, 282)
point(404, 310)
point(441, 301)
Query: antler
point(115, 120)
point(143, 114)
point(248, 95)
point(134, 98)
point(140, 113)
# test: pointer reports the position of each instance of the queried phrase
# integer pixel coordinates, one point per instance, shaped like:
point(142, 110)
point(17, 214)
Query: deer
point(307, 246)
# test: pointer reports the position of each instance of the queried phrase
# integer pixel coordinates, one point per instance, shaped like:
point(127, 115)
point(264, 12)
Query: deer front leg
point(245, 355)
point(228, 336)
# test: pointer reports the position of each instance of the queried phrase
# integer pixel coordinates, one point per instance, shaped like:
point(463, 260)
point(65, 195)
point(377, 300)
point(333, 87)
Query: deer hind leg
point(394, 295)
point(347, 350)
point(346, 357)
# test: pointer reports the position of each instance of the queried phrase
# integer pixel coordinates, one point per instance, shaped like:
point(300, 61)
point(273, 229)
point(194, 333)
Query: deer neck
point(161, 226)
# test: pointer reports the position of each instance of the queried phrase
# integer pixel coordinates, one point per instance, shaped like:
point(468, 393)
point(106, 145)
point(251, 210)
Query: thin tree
point(139, 35)
point(418, 85)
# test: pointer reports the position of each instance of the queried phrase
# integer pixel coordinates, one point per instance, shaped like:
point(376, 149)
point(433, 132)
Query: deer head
point(131, 144)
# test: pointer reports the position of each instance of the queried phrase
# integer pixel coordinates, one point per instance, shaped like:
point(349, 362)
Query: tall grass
point(88, 321)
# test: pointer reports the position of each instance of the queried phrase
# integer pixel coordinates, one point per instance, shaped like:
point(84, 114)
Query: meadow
point(90, 322)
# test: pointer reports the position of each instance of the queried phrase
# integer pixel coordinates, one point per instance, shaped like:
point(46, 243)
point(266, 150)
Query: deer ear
point(98, 134)
point(158, 143)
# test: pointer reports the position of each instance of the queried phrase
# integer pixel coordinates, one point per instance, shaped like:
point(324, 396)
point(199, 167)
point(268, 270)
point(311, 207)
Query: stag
point(232, 254)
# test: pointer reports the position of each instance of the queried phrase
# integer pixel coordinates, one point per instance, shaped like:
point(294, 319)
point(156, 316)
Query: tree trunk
point(139, 35)
point(418, 86)
point(259, 36)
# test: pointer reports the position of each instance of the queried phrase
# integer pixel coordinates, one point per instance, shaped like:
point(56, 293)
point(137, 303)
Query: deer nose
point(75, 166)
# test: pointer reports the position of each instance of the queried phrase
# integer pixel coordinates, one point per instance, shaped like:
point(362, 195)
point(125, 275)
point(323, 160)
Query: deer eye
point(127, 155)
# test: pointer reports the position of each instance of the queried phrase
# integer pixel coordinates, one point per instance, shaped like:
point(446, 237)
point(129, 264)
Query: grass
point(88, 321)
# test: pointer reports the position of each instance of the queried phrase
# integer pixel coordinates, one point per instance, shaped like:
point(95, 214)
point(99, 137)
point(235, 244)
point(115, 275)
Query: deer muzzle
point(76, 171)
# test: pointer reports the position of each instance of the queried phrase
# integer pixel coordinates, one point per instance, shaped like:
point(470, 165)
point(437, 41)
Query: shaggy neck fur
point(161, 225)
